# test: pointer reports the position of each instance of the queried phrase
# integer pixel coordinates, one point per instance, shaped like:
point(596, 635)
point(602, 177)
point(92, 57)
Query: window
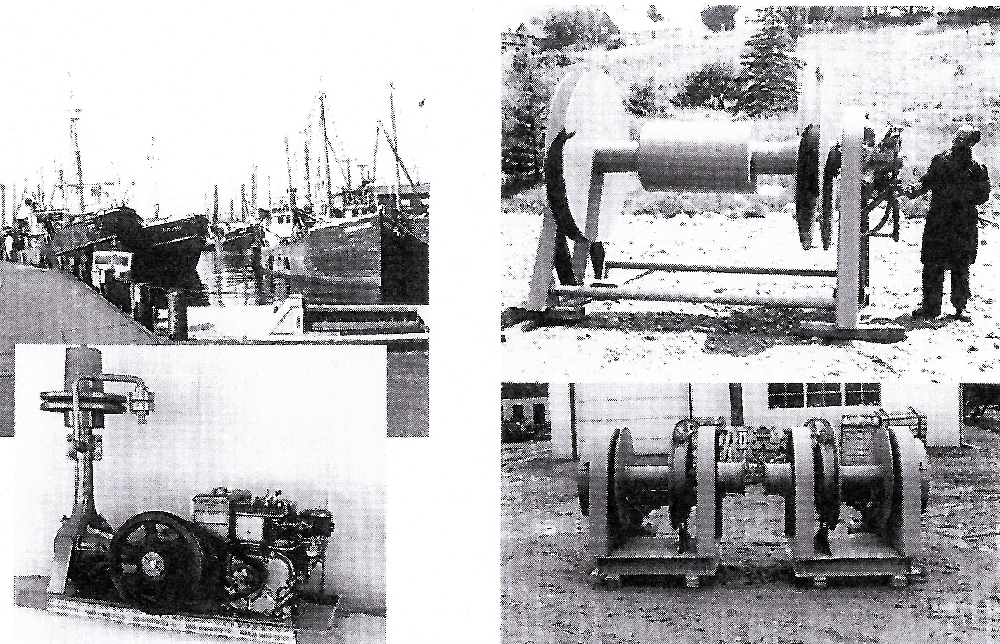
point(539, 413)
point(785, 395)
point(517, 413)
point(789, 395)
point(823, 394)
point(863, 393)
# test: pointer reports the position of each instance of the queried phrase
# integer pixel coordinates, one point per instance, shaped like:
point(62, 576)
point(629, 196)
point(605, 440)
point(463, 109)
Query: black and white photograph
point(216, 175)
point(749, 512)
point(161, 493)
point(758, 194)
point(737, 187)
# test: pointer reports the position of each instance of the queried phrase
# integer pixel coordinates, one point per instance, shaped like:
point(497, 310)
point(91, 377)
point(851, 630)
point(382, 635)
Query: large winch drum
point(706, 157)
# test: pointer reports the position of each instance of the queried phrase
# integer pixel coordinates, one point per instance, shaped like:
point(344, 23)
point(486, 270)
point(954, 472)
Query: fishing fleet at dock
point(356, 243)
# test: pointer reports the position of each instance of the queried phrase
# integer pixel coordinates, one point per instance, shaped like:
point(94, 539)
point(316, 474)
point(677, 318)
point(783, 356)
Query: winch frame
point(84, 405)
point(652, 157)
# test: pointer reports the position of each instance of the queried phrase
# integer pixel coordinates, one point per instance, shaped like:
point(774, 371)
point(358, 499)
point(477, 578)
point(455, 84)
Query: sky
point(206, 92)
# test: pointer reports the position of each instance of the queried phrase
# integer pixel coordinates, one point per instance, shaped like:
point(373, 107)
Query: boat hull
point(364, 260)
point(164, 254)
point(169, 252)
point(240, 240)
point(120, 228)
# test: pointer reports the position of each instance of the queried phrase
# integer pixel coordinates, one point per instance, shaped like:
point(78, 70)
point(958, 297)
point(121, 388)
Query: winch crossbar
point(706, 268)
point(742, 298)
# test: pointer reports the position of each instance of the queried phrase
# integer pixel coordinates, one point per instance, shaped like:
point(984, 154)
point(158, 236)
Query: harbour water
point(231, 279)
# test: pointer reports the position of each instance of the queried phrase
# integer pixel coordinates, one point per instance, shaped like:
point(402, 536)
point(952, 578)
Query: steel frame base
point(854, 555)
point(623, 563)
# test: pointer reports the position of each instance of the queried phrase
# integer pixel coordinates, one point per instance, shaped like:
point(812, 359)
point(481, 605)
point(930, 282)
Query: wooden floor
point(48, 307)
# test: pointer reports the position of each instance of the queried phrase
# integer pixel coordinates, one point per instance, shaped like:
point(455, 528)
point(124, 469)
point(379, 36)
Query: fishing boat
point(169, 250)
point(368, 245)
point(165, 251)
point(234, 237)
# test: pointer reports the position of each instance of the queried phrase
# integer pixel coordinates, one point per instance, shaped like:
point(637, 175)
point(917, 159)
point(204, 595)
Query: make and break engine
point(240, 553)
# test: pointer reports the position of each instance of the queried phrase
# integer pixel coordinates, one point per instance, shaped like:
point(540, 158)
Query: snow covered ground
point(676, 341)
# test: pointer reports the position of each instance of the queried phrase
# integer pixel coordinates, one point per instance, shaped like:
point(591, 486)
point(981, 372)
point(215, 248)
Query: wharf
point(39, 306)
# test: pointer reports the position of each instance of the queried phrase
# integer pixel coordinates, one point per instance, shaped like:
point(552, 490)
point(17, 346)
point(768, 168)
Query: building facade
point(654, 409)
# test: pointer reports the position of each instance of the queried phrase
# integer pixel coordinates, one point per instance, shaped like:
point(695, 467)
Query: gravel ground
point(547, 595)
point(620, 340)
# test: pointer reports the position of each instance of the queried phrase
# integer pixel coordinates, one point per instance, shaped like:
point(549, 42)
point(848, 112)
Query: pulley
point(157, 561)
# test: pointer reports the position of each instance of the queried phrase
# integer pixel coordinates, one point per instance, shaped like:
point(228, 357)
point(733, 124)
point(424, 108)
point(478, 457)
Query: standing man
point(958, 183)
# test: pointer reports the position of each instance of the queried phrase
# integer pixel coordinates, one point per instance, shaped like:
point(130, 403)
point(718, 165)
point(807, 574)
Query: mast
point(152, 176)
point(326, 153)
point(309, 197)
point(395, 142)
point(253, 190)
point(62, 190)
point(77, 162)
point(288, 164)
point(243, 202)
point(3, 205)
point(215, 205)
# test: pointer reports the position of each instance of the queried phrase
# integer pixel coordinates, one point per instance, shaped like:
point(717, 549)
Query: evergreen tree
point(642, 99)
point(769, 68)
point(523, 129)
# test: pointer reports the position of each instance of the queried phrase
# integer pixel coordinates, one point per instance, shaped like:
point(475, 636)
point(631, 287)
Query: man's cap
point(967, 136)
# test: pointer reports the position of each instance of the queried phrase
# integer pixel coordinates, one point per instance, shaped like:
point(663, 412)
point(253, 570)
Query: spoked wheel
point(156, 561)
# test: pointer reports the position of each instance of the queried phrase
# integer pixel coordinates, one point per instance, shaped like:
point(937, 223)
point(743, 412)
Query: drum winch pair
point(874, 466)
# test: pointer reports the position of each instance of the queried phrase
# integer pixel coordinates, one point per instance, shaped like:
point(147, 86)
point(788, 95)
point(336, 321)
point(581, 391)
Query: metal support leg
point(850, 248)
point(541, 277)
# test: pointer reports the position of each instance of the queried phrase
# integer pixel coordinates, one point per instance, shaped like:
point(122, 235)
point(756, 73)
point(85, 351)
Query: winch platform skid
point(589, 150)
point(691, 471)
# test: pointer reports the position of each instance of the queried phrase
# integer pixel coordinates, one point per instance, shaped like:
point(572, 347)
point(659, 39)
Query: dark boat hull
point(240, 240)
point(362, 260)
point(169, 253)
point(164, 254)
point(117, 229)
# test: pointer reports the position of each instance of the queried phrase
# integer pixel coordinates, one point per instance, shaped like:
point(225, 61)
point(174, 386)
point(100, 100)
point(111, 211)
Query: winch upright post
point(84, 405)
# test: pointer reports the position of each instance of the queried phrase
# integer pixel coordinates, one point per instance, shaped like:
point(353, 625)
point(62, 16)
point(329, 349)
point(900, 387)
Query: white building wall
point(648, 410)
point(653, 409)
point(559, 415)
point(939, 401)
